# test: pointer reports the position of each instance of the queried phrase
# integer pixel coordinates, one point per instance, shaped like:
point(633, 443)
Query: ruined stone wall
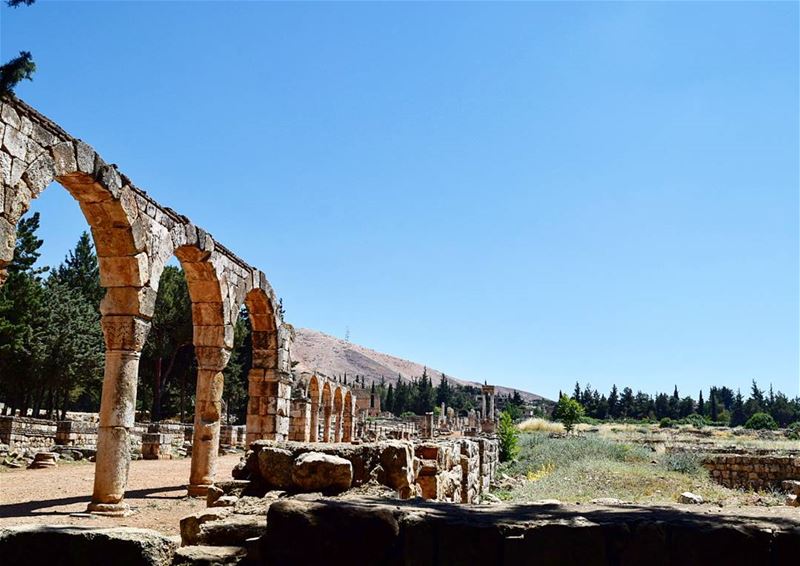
point(26, 433)
point(76, 433)
point(441, 470)
point(757, 472)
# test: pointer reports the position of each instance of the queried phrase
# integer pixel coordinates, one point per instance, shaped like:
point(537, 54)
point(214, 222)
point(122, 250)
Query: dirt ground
point(156, 490)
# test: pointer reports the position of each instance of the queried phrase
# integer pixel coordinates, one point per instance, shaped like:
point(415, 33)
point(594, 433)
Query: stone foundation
point(756, 472)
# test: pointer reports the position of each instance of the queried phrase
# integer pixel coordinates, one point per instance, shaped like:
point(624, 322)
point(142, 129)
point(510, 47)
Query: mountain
point(331, 356)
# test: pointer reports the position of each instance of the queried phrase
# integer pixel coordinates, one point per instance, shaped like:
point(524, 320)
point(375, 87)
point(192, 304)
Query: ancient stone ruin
point(317, 484)
point(135, 237)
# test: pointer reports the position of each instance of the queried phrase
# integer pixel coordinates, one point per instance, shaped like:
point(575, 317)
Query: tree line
point(720, 405)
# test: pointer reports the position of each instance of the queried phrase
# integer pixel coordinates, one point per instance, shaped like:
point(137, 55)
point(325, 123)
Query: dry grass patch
point(540, 425)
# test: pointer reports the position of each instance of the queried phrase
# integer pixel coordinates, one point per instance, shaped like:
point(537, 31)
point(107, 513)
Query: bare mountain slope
point(334, 357)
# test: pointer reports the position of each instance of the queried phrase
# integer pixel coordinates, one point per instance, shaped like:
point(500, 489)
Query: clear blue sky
point(531, 194)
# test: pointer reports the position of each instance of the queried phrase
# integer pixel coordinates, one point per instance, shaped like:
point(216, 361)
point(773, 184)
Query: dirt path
point(156, 489)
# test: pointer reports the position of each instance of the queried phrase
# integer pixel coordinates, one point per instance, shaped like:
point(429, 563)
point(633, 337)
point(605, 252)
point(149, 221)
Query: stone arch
point(314, 394)
point(212, 337)
point(347, 420)
point(36, 153)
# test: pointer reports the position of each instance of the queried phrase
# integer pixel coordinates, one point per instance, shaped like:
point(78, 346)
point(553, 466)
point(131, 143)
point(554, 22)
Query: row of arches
point(331, 410)
point(134, 238)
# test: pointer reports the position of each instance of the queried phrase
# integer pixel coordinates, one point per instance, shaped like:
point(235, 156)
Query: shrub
point(761, 421)
point(793, 432)
point(568, 411)
point(695, 420)
point(683, 462)
point(666, 422)
point(509, 438)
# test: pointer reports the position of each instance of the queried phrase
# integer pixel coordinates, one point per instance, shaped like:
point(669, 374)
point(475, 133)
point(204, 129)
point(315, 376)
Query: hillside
point(333, 356)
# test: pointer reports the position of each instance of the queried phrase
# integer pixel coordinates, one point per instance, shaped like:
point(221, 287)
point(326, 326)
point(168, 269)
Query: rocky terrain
point(333, 356)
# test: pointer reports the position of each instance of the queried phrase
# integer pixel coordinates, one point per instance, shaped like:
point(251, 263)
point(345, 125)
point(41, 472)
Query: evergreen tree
point(626, 402)
point(170, 339)
point(80, 271)
point(613, 402)
point(388, 404)
point(69, 348)
point(443, 392)
point(22, 315)
point(701, 406)
point(714, 408)
point(738, 417)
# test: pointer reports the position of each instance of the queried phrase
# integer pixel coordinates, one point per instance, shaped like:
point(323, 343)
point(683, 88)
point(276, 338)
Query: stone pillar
point(488, 395)
point(483, 406)
point(337, 432)
point(124, 339)
point(427, 425)
point(314, 432)
point(269, 405)
point(349, 424)
point(208, 409)
point(299, 429)
point(326, 423)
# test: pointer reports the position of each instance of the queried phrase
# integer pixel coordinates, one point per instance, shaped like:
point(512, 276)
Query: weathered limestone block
point(275, 467)
point(314, 471)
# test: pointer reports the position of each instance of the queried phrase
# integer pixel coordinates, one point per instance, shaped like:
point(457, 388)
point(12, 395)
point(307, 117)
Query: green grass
point(579, 469)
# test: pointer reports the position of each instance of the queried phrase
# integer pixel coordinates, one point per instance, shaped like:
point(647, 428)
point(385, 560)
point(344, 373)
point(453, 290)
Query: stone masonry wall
point(757, 472)
point(76, 433)
point(27, 433)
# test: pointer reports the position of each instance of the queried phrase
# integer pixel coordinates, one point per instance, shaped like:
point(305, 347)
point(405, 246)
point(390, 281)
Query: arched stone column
point(270, 386)
point(327, 409)
point(348, 421)
point(338, 407)
point(124, 338)
point(208, 408)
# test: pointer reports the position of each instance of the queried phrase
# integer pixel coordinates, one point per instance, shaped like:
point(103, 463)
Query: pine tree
point(701, 406)
point(80, 271)
point(170, 337)
point(712, 400)
point(388, 404)
point(738, 417)
point(613, 402)
point(22, 314)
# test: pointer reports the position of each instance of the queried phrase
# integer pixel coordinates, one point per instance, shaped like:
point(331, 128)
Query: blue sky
point(528, 193)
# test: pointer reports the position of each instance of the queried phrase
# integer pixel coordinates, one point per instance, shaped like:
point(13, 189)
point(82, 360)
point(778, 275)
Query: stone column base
point(121, 509)
point(200, 490)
